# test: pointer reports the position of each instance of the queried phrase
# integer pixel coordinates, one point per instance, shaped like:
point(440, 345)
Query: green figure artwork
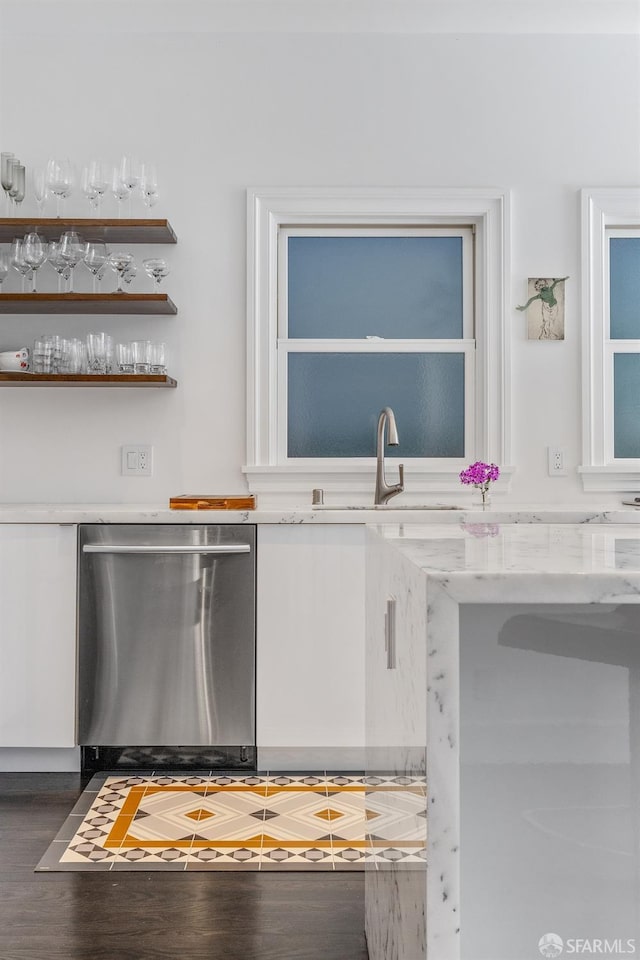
point(546, 320)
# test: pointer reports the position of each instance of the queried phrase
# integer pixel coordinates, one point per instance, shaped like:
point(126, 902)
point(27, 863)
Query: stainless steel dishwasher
point(166, 648)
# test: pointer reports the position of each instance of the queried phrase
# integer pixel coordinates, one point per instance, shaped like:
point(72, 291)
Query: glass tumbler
point(97, 345)
point(158, 358)
point(141, 356)
point(47, 352)
point(124, 357)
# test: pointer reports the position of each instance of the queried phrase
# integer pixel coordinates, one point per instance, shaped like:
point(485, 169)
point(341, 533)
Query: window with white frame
point(364, 299)
point(611, 344)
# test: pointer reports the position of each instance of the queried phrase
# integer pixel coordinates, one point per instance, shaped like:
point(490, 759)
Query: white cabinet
point(37, 635)
point(310, 640)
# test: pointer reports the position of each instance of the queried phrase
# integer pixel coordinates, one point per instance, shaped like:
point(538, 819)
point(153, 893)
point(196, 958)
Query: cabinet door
point(310, 637)
point(37, 635)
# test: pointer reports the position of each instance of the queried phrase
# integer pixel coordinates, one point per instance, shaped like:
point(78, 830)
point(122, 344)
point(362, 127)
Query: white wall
point(220, 108)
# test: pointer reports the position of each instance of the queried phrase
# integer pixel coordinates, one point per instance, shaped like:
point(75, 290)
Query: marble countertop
point(509, 513)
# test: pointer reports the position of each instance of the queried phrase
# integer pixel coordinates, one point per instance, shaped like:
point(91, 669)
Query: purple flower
point(480, 474)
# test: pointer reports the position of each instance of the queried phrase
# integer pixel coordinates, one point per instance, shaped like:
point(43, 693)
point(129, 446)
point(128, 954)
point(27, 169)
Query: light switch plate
point(137, 460)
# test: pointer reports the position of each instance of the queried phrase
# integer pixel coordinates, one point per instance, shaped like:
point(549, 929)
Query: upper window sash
point(464, 233)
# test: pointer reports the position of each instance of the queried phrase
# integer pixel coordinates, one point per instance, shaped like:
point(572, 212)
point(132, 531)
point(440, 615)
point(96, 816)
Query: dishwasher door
point(166, 651)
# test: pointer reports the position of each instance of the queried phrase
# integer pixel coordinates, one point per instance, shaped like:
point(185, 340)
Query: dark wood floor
point(153, 916)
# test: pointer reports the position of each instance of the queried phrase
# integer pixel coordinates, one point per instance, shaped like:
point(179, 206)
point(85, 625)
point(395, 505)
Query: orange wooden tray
point(192, 501)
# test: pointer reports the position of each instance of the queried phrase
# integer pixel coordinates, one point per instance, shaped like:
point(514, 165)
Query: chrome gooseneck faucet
point(385, 491)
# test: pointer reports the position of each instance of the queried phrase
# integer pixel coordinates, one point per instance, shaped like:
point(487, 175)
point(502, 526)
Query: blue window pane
point(392, 287)
point(335, 398)
point(626, 405)
point(624, 287)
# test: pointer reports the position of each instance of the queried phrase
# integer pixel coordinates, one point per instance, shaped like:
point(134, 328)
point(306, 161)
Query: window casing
point(278, 466)
point(611, 343)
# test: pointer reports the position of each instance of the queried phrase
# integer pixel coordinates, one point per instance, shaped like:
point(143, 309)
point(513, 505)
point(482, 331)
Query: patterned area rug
point(193, 821)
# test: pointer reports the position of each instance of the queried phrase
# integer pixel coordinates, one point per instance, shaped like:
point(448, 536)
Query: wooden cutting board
point(219, 501)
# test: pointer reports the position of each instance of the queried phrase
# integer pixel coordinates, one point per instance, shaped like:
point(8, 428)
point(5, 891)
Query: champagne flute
point(71, 252)
point(34, 252)
point(6, 175)
point(119, 189)
point(60, 181)
point(119, 262)
point(17, 190)
point(40, 189)
point(149, 184)
point(95, 257)
point(130, 173)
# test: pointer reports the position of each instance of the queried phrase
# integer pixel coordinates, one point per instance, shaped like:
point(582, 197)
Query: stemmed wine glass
point(71, 252)
point(34, 252)
point(119, 189)
point(6, 174)
point(60, 181)
point(149, 184)
point(60, 266)
point(40, 189)
point(130, 173)
point(17, 188)
point(17, 260)
point(95, 257)
point(4, 268)
point(88, 191)
point(119, 262)
point(98, 179)
point(157, 269)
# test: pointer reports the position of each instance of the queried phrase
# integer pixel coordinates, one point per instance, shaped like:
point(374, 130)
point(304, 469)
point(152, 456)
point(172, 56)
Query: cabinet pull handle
point(390, 633)
point(220, 549)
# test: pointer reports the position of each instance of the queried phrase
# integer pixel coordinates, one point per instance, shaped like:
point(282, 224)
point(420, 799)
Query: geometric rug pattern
point(192, 821)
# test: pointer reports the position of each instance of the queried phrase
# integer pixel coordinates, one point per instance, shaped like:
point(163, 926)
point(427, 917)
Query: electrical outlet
point(557, 461)
point(137, 461)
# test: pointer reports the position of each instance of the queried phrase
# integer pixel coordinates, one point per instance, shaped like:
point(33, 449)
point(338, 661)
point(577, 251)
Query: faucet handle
point(401, 472)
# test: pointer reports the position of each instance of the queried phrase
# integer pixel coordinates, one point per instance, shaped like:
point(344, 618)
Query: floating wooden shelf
point(148, 304)
point(86, 380)
point(111, 231)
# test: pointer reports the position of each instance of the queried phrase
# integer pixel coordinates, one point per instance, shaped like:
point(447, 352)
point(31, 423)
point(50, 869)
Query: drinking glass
point(73, 356)
point(119, 262)
point(158, 358)
point(4, 267)
point(119, 189)
point(149, 184)
point(72, 252)
point(130, 173)
point(40, 189)
point(61, 179)
point(17, 189)
point(18, 262)
point(99, 179)
point(34, 252)
point(88, 192)
point(124, 357)
point(130, 274)
point(141, 355)
point(108, 352)
point(44, 354)
point(97, 353)
point(6, 175)
point(156, 269)
point(59, 265)
point(95, 257)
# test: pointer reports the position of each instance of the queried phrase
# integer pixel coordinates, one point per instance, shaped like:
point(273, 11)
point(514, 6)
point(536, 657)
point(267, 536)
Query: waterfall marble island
point(503, 689)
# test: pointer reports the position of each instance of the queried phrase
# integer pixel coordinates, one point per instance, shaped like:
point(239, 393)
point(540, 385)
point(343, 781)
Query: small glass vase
point(482, 495)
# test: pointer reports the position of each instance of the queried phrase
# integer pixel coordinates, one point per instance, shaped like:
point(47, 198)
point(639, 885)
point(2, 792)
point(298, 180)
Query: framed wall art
point(545, 308)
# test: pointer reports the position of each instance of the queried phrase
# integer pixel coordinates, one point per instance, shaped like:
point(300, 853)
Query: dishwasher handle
point(216, 549)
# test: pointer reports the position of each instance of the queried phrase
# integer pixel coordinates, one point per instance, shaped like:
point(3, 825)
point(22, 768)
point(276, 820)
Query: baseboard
point(39, 760)
point(311, 758)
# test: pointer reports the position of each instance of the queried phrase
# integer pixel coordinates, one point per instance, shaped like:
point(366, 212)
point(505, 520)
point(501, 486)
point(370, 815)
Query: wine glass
point(40, 189)
point(34, 252)
point(119, 262)
point(88, 191)
point(119, 189)
point(17, 260)
point(98, 179)
point(60, 181)
point(6, 174)
point(95, 257)
point(60, 266)
point(17, 189)
point(149, 184)
point(157, 269)
point(71, 252)
point(130, 173)
point(4, 267)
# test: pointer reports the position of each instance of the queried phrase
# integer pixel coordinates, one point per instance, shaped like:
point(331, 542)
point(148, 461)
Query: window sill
point(613, 478)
